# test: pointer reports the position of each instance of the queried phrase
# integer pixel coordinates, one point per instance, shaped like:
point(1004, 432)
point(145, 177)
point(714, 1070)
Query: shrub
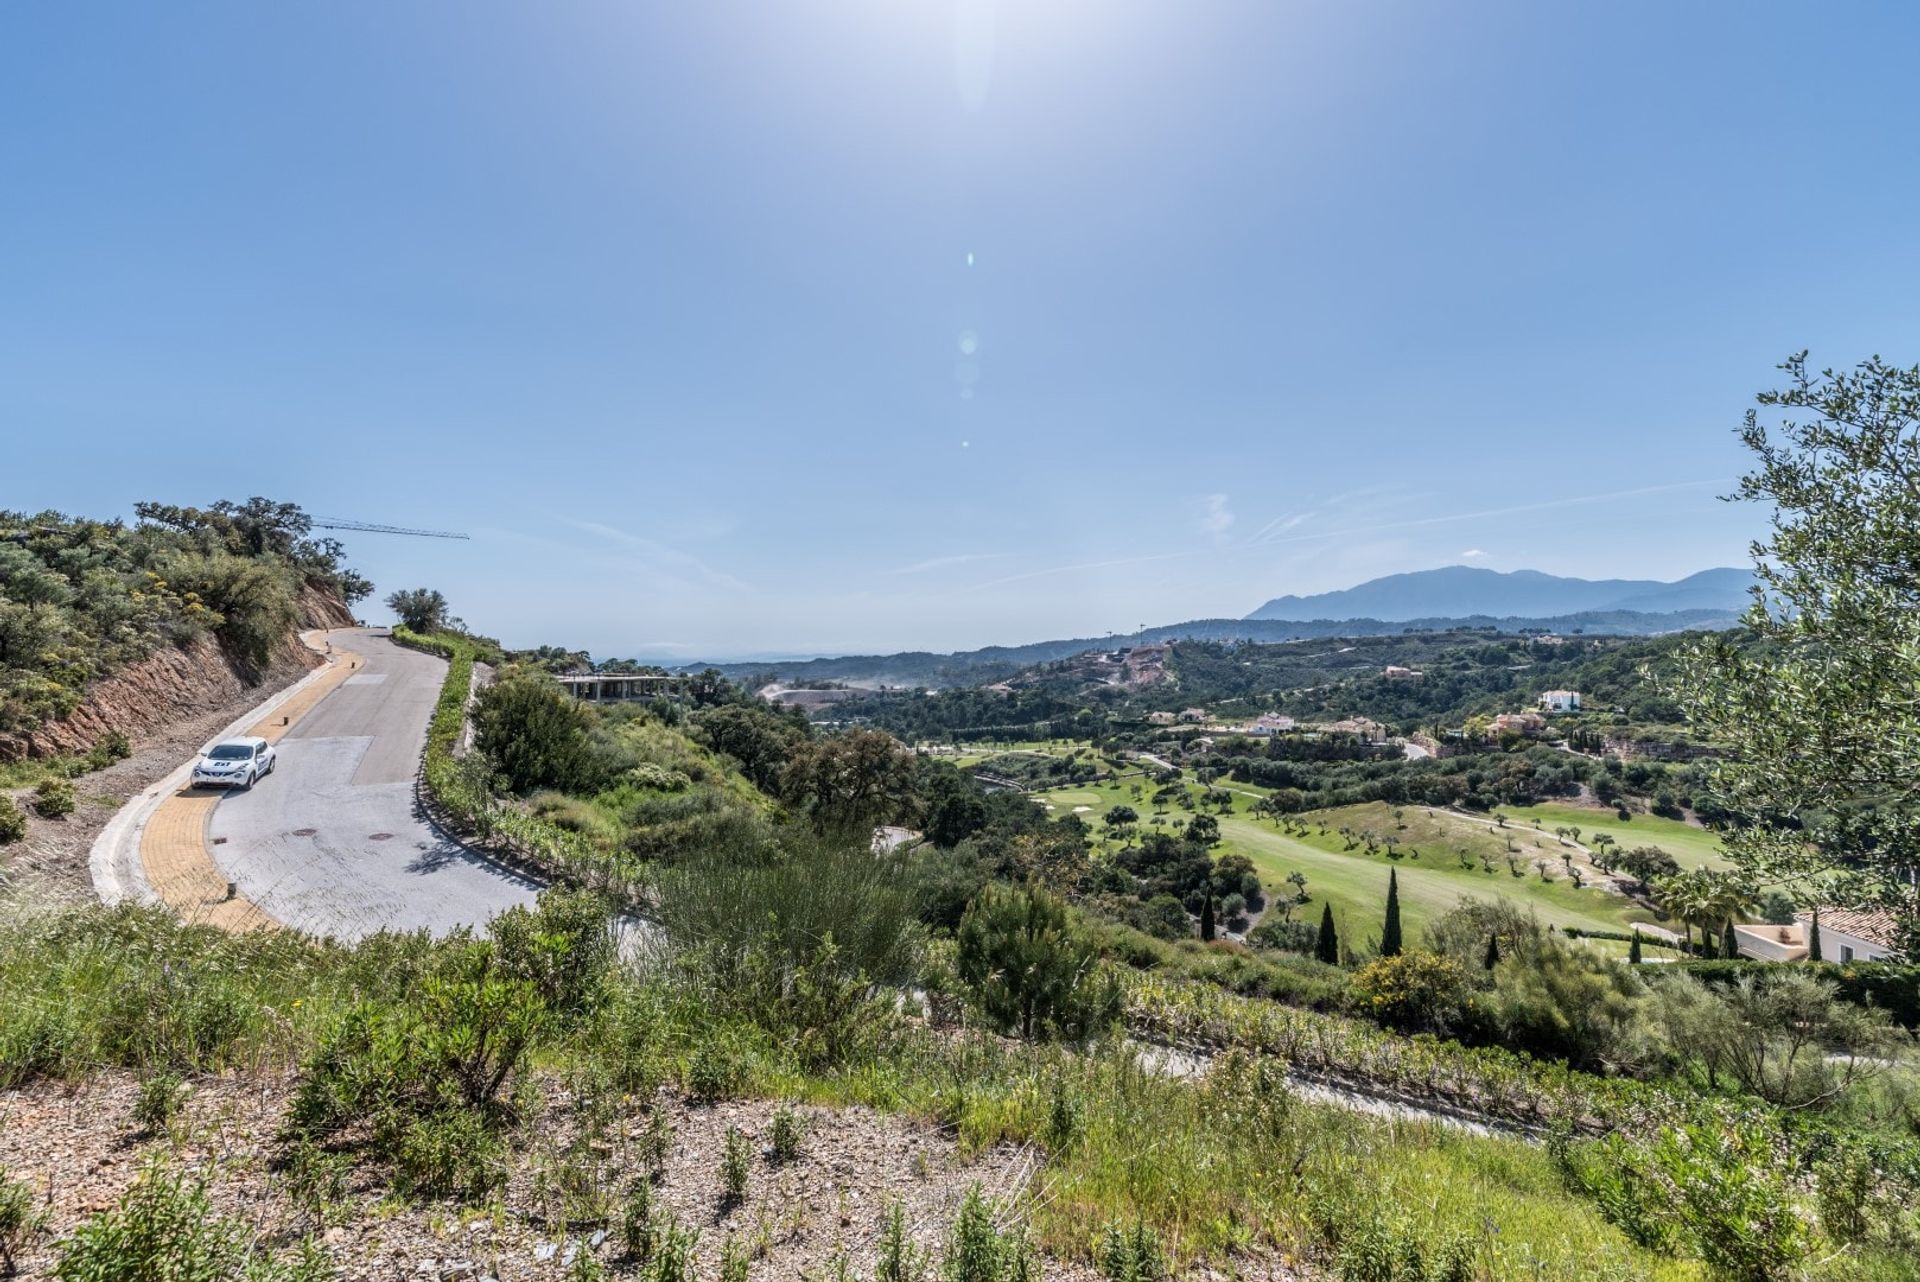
point(899, 1259)
point(783, 1135)
point(639, 1231)
point(54, 798)
point(13, 824)
point(977, 1251)
point(564, 947)
point(159, 1101)
point(673, 1253)
point(1132, 1255)
point(535, 735)
point(1717, 1190)
point(18, 1220)
point(1284, 936)
point(431, 1068)
point(162, 1227)
point(1416, 991)
point(1032, 968)
point(736, 1164)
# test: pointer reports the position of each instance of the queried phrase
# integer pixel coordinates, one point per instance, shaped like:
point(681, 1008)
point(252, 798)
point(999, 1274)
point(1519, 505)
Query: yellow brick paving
point(174, 849)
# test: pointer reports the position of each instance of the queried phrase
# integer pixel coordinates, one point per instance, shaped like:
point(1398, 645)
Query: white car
point(237, 763)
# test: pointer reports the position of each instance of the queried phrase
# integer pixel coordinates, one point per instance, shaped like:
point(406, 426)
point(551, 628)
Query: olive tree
point(1815, 707)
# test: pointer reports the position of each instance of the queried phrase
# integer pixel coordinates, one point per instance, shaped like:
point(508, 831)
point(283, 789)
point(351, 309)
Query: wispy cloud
point(661, 556)
point(1280, 525)
point(1216, 516)
point(1472, 554)
point(942, 562)
point(1451, 518)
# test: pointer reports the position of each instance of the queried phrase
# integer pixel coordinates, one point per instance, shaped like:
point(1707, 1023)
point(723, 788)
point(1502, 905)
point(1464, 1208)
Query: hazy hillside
point(1461, 590)
point(974, 667)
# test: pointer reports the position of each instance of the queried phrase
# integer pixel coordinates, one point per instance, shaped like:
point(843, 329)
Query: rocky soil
point(79, 1150)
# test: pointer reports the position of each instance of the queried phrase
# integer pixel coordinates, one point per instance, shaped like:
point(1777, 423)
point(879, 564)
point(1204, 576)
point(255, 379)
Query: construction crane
point(339, 523)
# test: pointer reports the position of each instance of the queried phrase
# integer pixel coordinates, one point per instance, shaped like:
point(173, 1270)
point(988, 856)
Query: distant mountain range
point(1459, 591)
point(978, 667)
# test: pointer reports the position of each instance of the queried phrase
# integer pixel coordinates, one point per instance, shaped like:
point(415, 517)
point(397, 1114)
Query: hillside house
point(1366, 727)
point(1527, 723)
point(1394, 672)
point(1848, 935)
point(1195, 715)
point(1161, 718)
point(1269, 723)
point(1555, 702)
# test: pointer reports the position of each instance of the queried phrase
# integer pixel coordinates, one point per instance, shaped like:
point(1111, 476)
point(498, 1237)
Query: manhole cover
point(305, 832)
point(219, 841)
point(380, 836)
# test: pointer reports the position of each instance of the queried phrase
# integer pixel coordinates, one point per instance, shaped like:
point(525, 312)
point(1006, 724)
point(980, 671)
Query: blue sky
point(736, 328)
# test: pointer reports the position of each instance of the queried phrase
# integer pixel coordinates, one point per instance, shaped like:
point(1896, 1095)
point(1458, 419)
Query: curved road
point(333, 842)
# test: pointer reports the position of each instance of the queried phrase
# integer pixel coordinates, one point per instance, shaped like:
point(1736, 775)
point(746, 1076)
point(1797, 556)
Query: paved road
point(332, 842)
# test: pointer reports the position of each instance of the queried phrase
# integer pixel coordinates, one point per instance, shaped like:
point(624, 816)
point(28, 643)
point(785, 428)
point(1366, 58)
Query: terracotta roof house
point(1858, 935)
point(1846, 935)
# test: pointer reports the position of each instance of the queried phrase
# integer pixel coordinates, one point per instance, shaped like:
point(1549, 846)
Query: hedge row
point(1893, 987)
point(458, 788)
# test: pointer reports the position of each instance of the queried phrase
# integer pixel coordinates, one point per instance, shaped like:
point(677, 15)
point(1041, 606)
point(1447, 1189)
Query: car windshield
point(231, 752)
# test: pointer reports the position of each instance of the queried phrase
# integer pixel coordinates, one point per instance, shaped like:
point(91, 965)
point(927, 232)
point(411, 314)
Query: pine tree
point(1206, 918)
point(1327, 947)
point(1633, 950)
point(1493, 952)
point(1390, 933)
point(1813, 938)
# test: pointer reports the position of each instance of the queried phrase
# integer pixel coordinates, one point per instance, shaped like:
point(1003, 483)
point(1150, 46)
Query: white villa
point(1845, 936)
point(1558, 701)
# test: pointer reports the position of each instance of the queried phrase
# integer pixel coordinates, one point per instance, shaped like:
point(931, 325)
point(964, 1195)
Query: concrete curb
point(119, 875)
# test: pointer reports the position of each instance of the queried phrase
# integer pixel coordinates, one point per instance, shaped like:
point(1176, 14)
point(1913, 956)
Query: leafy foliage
point(1819, 718)
point(1032, 969)
point(81, 598)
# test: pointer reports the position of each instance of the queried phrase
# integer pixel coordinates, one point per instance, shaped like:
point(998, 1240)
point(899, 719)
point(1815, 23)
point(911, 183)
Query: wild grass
point(1216, 1166)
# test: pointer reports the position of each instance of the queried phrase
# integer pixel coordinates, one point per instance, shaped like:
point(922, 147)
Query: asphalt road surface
point(333, 841)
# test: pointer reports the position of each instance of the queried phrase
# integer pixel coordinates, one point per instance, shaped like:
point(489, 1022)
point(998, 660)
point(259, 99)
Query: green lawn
point(1355, 883)
point(1691, 847)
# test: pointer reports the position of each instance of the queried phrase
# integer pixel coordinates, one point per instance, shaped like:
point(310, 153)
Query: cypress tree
point(1813, 938)
point(1729, 943)
point(1206, 918)
point(1390, 933)
point(1633, 950)
point(1327, 947)
point(1493, 952)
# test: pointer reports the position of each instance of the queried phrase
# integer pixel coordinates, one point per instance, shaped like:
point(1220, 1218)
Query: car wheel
point(253, 777)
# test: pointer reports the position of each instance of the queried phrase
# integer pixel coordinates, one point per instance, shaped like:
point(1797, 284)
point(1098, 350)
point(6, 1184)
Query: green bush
point(13, 824)
point(54, 799)
point(19, 1222)
point(536, 735)
point(159, 1101)
point(736, 1164)
point(978, 1251)
point(783, 1136)
point(164, 1227)
point(1893, 987)
point(431, 1068)
point(1132, 1255)
point(1414, 991)
point(1032, 969)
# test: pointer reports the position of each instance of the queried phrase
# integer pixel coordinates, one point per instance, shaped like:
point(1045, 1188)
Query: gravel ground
point(79, 1149)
